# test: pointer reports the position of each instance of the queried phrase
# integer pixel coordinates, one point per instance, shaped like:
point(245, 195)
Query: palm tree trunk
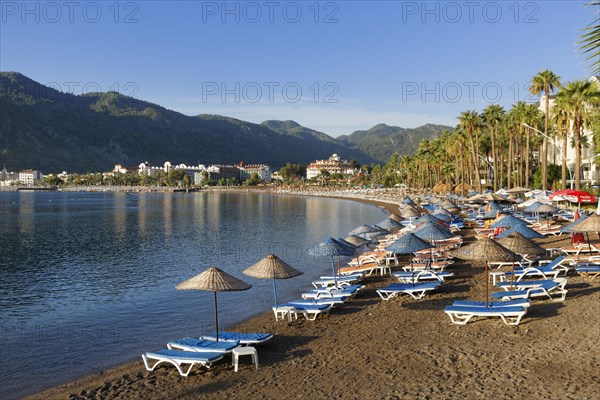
point(510, 160)
point(544, 151)
point(475, 163)
point(564, 160)
point(527, 157)
point(577, 136)
point(495, 158)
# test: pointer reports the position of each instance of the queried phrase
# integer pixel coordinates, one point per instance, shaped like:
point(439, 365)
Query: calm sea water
point(88, 279)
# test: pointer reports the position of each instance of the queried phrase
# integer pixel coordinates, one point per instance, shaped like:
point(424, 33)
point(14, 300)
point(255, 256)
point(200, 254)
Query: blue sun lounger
point(588, 271)
point(410, 277)
point(245, 339)
point(332, 292)
point(335, 301)
point(462, 315)
point(179, 358)
point(493, 304)
point(416, 290)
point(551, 270)
point(198, 345)
point(310, 312)
point(532, 289)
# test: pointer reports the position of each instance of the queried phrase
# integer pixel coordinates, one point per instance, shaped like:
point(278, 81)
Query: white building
point(29, 177)
point(263, 171)
point(590, 172)
point(333, 165)
point(146, 169)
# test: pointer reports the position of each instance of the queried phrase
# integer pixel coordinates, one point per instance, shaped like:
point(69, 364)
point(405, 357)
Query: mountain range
point(49, 130)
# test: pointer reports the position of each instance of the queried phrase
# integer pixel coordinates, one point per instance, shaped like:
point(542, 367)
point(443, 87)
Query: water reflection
point(82, 265)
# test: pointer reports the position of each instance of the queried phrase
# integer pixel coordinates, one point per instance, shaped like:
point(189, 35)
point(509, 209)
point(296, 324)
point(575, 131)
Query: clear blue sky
point(403, 63)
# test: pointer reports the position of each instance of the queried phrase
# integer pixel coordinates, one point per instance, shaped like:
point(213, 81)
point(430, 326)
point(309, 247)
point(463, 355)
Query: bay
point(87, 280)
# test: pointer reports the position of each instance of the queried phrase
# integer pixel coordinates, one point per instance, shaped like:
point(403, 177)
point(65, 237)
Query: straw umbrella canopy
point(379, 231)
point(485, 250)
point(517, 190)
point(546, 209)
point(347, 243)
point(362, 230)
point(442, 216)
point(272, 267)
point(590, 224)
point(357, 240)
point(408, 244)
point(429, 218)
point(395, 217)
point(519, 244)
point(532, 207)
point(389, 224)
point(431, 231)
point(331, 247)
point(508, 221)
point(410, 212)
point(214, 280)
point(523, 230)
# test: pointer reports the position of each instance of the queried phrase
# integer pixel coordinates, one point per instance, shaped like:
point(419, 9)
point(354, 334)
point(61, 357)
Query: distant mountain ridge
point(381, 141)
point(49, 130)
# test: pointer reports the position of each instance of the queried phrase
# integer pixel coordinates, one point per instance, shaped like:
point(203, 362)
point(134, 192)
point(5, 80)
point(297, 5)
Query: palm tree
point(578, 97)
point(532, 117)
point(545, 82)
point(493, 116)
point(590, 40)
point(561, 120)
point(471, 122)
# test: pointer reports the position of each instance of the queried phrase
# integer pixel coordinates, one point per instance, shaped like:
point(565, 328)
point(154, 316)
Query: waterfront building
point(333, 165)
point(262, 170)
point(29, 177)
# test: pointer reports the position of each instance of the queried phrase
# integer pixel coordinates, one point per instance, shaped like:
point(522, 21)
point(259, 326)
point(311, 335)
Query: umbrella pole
point(275, 291)
point(333, 270)
point(216, 316)
point(487, 283)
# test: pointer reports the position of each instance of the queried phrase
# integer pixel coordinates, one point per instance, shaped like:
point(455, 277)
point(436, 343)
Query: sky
point(334, 66)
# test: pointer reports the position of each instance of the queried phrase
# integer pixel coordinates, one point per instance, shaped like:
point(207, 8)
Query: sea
point(87, 279)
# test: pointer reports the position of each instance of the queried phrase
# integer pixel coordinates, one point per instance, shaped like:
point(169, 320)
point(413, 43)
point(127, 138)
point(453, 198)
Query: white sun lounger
point(198, 345)
point(417, 290)
point(180, 358)
point(245, 339)
point(423, 275)
point(310, 312)
point(532, 289)
point(493, 304)
point(461, 315)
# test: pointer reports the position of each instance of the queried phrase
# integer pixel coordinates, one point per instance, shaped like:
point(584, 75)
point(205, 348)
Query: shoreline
point(388, 207)
point(369, 327)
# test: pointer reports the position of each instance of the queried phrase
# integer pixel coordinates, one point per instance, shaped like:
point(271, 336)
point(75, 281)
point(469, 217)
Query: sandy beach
point(397, 349)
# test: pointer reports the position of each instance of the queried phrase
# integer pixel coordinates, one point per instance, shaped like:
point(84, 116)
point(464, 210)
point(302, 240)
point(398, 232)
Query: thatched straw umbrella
point(485, 250)
point(214, 280)
point(272, 267)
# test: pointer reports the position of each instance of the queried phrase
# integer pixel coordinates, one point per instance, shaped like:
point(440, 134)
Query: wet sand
point(397, 349)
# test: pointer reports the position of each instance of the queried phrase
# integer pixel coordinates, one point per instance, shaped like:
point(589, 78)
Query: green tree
point(471, 122)
point(176, 176)
point(253, 180)
point(493, 115)
point(545, 82)
point(292, 171)
point(580, 98)
point(590, 40)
